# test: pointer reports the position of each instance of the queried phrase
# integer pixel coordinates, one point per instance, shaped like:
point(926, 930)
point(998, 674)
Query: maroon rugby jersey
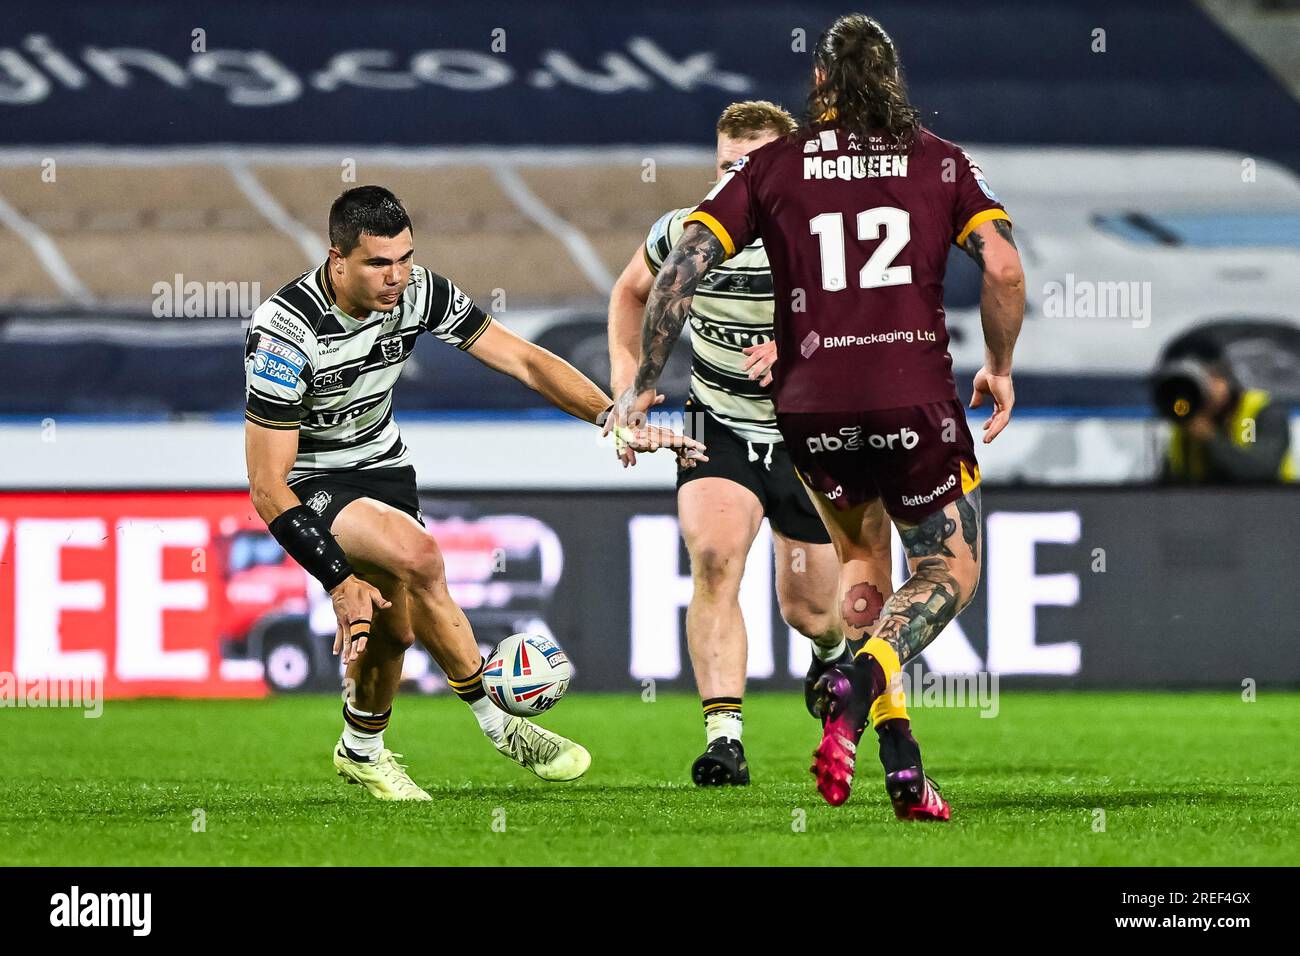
point(857, 235)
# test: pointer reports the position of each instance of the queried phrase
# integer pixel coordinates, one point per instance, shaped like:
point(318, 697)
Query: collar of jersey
point(323, 280)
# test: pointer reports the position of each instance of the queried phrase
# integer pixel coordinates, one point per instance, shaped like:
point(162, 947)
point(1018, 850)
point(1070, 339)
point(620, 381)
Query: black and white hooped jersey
point(312, 367)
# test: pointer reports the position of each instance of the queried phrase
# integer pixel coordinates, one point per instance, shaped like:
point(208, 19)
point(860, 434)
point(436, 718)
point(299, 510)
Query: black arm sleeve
point(301, 533)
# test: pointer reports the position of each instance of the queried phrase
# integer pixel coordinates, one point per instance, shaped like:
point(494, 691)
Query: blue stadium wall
point(1004, 71)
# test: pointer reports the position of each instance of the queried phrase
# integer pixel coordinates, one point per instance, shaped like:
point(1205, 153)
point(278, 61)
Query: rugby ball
point(526, 674)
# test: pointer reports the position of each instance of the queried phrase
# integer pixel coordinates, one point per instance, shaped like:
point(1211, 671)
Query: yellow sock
point(892, 704)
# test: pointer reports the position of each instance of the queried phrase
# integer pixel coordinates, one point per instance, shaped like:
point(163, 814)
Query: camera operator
point(1222, 433)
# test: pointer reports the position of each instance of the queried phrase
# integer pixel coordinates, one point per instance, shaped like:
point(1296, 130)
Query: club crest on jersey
point(318, 502)
point(390, 347)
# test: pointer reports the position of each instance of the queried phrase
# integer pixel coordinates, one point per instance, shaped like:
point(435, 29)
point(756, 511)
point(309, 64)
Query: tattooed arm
point(697, 251)
point(1002, 309)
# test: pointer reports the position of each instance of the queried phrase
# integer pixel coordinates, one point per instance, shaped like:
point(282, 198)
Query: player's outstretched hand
point(1000, 389)
point(354, 603)
point(761, 359)
point(627, 454)
point(628, 423)
point(650, 438)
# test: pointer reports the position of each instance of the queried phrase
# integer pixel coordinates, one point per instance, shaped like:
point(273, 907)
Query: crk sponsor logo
point(849, 438)
point(75, 908)
point(325, 380)
point(913, 500)
point(905, 439)
point(391, 348)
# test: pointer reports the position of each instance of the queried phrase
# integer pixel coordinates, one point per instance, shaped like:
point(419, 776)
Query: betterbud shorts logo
point(848, 439)
point(913, 500)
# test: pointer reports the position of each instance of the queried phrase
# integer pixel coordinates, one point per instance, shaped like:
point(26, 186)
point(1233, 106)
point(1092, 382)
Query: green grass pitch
point(1195, 778)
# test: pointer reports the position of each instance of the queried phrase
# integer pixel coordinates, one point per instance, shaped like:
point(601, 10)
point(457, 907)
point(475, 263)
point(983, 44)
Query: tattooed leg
point(943, 552)
point(862, 544)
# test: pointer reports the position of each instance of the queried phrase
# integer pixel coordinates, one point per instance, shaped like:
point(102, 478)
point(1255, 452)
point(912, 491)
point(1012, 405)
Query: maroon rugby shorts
point(916, 459)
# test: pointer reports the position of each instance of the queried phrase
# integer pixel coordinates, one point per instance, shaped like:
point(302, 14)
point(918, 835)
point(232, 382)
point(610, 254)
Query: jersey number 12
point(878, 271)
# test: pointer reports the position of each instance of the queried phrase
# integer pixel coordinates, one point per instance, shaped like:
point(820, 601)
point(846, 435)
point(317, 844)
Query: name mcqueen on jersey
point(853, 167)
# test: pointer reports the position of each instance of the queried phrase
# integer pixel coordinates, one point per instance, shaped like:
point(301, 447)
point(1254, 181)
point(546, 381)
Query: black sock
point(898, 748)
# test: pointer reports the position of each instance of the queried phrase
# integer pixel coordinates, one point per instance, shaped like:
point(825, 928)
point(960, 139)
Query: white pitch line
point(311, 245)
point(47, 251)
point(574, 239)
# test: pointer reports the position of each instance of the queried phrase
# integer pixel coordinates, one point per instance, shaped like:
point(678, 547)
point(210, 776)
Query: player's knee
point(396, 641)
point(717, 570)
point(421, 565)
point(809, 618)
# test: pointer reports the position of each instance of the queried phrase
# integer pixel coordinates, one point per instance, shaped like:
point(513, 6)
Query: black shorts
point(327, 495)
point(915, 459)
point(770, 475)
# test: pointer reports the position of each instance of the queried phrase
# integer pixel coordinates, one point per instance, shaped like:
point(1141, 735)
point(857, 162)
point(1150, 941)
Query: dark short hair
point(369, 210)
